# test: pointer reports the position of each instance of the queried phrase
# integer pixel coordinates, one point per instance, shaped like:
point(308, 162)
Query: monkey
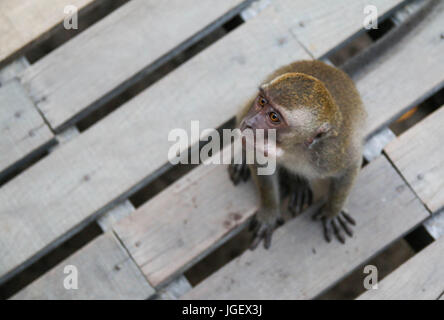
point(318, 116)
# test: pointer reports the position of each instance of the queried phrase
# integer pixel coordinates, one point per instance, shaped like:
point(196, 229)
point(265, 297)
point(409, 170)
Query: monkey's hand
point(335, 224)
point(263, 228)
point(238, 172)
point(300, 194)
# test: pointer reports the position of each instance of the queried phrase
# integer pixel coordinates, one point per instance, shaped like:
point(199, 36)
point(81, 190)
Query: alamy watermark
point(247, 146)
point(71, 20)
point(71, 281)
point(371, 281)
point(371, 18)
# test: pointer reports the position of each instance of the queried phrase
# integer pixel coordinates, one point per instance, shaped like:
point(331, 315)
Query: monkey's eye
point(274, 117)
point(262, 101)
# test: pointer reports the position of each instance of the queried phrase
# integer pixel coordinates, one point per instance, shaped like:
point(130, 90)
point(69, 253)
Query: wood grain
point(24, 21)
point(405, 80)
point(300, 264)
point(105, 271)
point(114, 158)
point(165, 238)
point(419, 156)
point(420, 278)
point(22, 130)
point(113, 51)
point(325, 26)
point(140, 229)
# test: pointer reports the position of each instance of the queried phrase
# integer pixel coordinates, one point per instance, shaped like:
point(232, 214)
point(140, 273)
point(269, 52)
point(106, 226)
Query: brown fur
point(313, 94)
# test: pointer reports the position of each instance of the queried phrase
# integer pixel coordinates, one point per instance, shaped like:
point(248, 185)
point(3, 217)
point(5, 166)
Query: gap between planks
point(24, 22)
point(420, 278)
point(116, 52)
point(93, 138)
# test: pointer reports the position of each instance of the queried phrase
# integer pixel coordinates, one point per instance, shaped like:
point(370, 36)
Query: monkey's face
point(297, 106)
point(263, 115)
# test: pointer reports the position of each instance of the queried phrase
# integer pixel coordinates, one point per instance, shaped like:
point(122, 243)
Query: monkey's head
point(299, 107)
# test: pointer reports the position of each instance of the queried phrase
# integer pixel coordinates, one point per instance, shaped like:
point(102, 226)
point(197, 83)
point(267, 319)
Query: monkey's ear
point(323, 131)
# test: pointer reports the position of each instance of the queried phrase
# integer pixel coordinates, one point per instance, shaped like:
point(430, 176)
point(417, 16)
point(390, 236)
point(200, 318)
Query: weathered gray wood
point(118, 155)
point(254, 9)
point(175, 289)
point(24, 21)
point(418, 155)
point(64, 137)
point(406, 80)
point(158, 270)
point(12, 70)
point(115, 214)
point(113, 51)
point(300, 264)
point(420, 278)
point(105, 271)
point(406, 11)
point(435, 224)
point(322, 25)
point(22, 130)
point(166, 237)
point(376, 143)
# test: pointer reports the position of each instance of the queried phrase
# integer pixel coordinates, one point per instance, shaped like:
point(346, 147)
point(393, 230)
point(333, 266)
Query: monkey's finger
point(300, 200)
point(238, 173)
point(267, 238)
point(253, 224)
point(292, 204)
point(344, 226)
point(337, 232)
point(318, 214)
point(255, 243)
point(327, 231)
point(233, 174)
point(310, 196)
point(307, 196)
point(348, 218)
point(245, 173)
point(231, 171)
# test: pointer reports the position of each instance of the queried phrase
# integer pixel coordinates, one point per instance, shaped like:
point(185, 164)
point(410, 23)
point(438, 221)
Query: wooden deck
point(55, 180)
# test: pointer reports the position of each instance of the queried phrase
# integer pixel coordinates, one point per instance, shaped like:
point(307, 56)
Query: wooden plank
point(22, 130)
point(115, 50)
point(300, 264)
point(121, 210)
point(419, 156)
point(165, 238)
point(376, 143)
point(175, 289)
point(118, 155)
point(104, 270)
point(406, 81)
point(420, 278)
point(24, 21)
point(323, 25)
point(140, 229)
point(12, 70)
point(111, 52)
point(435, 225)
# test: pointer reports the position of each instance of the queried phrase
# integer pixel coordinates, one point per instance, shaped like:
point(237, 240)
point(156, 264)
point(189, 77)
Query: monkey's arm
point(269, 212)
point(334, 217)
